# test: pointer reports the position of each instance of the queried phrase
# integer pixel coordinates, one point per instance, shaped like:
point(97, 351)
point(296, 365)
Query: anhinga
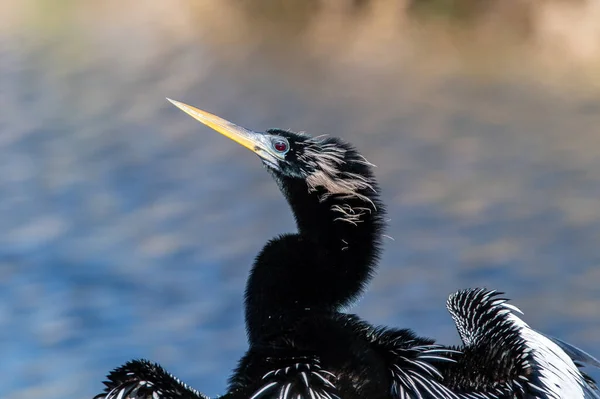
point(301, 344)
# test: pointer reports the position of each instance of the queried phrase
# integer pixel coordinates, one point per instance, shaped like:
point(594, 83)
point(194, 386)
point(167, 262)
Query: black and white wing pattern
point(299, 377)
point(141, 379)
point(512, 359)
point(412, 362)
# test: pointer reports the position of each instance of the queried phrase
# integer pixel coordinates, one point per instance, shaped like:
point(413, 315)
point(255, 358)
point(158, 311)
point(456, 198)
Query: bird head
point(328, 165)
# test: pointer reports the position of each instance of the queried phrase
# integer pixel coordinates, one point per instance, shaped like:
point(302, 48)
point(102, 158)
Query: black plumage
point(502, 355)
point(145, 380)
point(301, 344)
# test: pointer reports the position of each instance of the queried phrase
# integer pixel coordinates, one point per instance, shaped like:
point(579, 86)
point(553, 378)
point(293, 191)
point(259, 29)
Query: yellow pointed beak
point(253, 141)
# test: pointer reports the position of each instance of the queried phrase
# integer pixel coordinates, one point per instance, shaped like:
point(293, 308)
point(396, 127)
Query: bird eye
point(281, 145)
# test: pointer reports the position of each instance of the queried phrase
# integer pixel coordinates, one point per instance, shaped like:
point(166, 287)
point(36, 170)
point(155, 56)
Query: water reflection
point(127, 230)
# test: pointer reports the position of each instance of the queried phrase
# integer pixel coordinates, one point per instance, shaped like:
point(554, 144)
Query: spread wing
point(576, 354)
point(413, 364)
point(510, 356)
point(141, 379)
point(288, 377)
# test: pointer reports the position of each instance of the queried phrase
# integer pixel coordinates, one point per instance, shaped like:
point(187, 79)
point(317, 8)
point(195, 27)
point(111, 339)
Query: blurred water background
point(127, 229)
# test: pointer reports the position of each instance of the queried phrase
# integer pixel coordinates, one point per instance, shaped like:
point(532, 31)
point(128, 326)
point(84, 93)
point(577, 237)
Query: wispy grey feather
point(325, 161)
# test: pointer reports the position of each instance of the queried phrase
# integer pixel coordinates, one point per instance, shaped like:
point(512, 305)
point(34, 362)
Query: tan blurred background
point(127, 230)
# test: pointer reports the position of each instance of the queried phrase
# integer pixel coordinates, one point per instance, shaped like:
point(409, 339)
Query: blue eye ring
point(281, 145)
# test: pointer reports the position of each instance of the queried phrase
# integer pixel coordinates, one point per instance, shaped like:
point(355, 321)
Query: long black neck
point(322, 267)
